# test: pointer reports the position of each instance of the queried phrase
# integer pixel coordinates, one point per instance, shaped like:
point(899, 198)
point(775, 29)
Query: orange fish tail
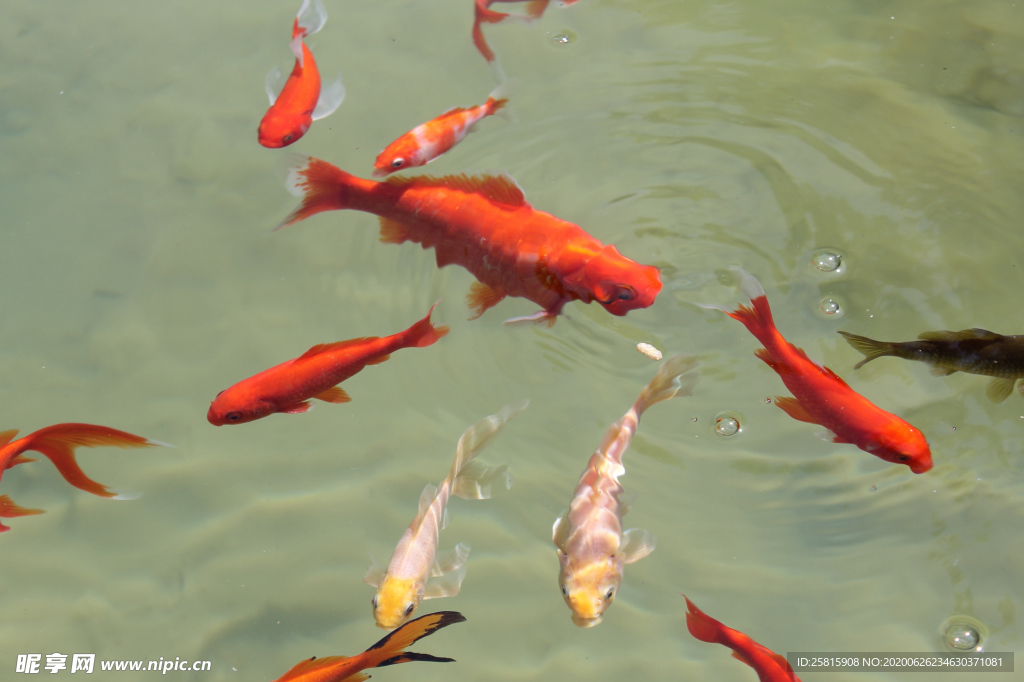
point(322, 186)
point(701, 625)
point(58, 443)
point(480, 41)
point(10, 510)
point(494, 104)
point(423, 333)
point(390, 649)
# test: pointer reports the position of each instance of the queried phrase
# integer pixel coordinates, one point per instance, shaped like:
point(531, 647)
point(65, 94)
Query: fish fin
point(377, 361)
point(667, 382)
point(301, 670)
point(299, 408)
point(335, 394)
point(274, 83)
point(452, 560)
point(999, 389)
point(499, 189)
point(447, 585)
point(477, 436)
point(374, 574)
point(393, 232)
point(481, 297)
point(831, 436)
point(337, 345)
point(939, 371)
point(962, 335)
point(560, 530)
point(10, 510)
point(20, 459)
point(498, 98)
point(539, 317)
point(476, 481)
point(311, 22)
point(765, 356)
point(58, 443)
point(392, 644)
point(636, 544)
point(409, 657)
point(423, 333)
point(331, 97)
point(536, 8)
point(870, 348)
point(757, 317)
point(794, 409)
point(322, 186)
point(7, 436)
point(626, 501)
point(426, 497)
point(296, 46)
point(701, 625)
point(1020, 388)
point(740, 657)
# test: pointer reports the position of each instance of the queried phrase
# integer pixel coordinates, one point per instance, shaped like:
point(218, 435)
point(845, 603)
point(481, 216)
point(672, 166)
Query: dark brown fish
point(975, 351)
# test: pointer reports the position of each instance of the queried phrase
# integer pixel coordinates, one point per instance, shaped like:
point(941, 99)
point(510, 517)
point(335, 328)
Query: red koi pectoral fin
point(794, 409)
point(10, 510)
point(304, 406)
point(335, 394)
point(481, 297)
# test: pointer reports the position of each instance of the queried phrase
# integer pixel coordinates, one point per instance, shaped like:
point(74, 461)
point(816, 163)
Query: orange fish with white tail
point(485, 225)
point(288, 387)
point(58, 443)
point(416, 570)
point(388, 651)
point(301, 100)
point(821, 397)
point(427, 141)
point(592, 548)
point(770, 666)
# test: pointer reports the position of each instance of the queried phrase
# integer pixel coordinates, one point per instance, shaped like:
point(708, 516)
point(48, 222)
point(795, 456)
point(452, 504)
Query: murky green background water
point(139, 279)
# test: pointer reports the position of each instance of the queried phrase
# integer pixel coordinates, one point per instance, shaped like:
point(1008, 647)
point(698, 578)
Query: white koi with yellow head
point(592, 547)
point(416, 570)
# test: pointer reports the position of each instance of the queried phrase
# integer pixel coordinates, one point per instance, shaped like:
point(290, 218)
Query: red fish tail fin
point(389, 650)
point(423, 333)
point(310, 18)
point(58, 443)
point(321, 185)
point(674, 378)
point(10, 510)
point(535, 9)
point(701, 625)
point(757, 317)
point(479, 40)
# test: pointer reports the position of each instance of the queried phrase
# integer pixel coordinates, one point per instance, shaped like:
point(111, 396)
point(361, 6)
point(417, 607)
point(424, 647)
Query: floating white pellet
point(649, 350)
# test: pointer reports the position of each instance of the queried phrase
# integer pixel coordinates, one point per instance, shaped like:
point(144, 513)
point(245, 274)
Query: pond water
point(140, 278)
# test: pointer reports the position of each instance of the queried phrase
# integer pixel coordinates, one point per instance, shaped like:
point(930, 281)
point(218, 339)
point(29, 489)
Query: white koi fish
point(592, 548)
point(416, 570)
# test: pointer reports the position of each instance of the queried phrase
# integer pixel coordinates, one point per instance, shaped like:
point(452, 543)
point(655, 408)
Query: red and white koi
point(416, 570)
point(591, 545)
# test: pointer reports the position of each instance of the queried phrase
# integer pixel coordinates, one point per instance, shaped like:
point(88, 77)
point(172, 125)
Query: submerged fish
point(770, 666)
point(289, 386)
point(483, 14)
point(821, 397)
point(591, 545)
point(58, 443)
point(427, 141)
point(975, 351)
point(301, 101)
point(416, 571)
point(388, 651)
point(485, 225)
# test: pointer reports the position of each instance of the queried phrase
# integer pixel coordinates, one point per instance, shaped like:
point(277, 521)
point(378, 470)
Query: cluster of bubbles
point(833, 262)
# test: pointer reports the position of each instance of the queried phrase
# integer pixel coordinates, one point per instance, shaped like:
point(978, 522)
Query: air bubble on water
point(767, 401)
point(962, 637)
point(693, 419)
point(727, 425)
point(828, 260)
point(830, 306)
point(563, 38)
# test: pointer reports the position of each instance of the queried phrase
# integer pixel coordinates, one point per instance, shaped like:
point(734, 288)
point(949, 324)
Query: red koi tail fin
point(58, 443)
point(10, 510)
point(702, 626)
point(423, 333)
point(310, 18)
point(757, 317)
point(322, 186)
point(389, 650)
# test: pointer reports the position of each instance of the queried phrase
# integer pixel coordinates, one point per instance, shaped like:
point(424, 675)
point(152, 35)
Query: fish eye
point(397, 163)
point(610, 593)
point(565, 590)
point(288, 138)
point(409, 609)
point(903, 458)
point(626, 294)
point(233, 416)
point(373, 601)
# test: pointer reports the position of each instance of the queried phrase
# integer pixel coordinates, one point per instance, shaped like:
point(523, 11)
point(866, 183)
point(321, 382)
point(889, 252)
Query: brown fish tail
point(869, 347)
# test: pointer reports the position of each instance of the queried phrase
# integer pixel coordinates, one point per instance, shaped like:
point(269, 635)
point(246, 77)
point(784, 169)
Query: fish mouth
point(380, 173)
point(586, 622)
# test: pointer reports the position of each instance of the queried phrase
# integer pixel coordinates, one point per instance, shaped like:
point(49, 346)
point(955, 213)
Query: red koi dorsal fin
point(794, 409)
point(500, 189)
point(321, 348)
point(7, 436)
point(335, 394)
point(481, 297)
point(314, 664)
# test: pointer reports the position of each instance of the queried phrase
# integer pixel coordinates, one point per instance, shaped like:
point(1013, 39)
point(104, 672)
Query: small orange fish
point(427, 141)
point(770, 666)
point(301, 101)
point(388, 651)
point(485, 225)
point(58, 443)
point(823, 398)
point(315, 374)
